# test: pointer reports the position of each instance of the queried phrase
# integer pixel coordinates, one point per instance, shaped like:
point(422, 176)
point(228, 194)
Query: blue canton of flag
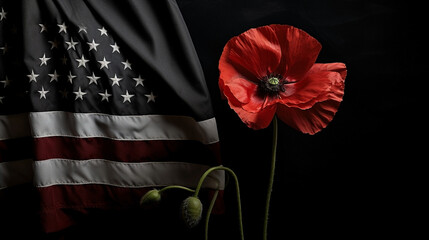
point(81, 68)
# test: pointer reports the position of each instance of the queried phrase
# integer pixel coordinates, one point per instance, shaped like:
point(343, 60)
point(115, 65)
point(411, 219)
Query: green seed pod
point(192, 210)
point(151, 198)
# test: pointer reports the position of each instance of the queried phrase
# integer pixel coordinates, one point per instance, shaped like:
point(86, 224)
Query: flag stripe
point(16, 173)
point(126, 151)
point(14, 126)
point(138, 127)
point(131, 175)
point(16, 149)
point(72, 201)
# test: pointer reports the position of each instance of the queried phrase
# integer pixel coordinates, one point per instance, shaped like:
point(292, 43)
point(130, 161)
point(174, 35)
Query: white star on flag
point(71, 44)
point(150, 97)
point(70, 77)
point(6, 82)
point(82, 61)
point(54, 76)
point(43, 93)
point(93, 79)
point(43, 28)
point(105, 96)
point(115, 80)
point(104, 63)
point(139, 81)
point(127, 64)
point(33, 76)
point(103, 31)
point(82, 28)
point(115, 48)
point(79, 94)
point(2, 14)
point(127, 97)
point(44, 60)
point(63, 27)
point(93, 45)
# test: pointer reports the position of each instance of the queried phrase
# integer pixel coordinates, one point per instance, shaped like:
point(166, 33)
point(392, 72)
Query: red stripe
point(16, 149)
point(126, 151)
point(63, 206)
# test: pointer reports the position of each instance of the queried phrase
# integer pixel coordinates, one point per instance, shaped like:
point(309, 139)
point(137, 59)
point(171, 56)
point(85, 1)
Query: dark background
point(358, 178)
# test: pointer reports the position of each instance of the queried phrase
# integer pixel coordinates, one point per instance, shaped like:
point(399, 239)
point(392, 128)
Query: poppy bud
point(151, 198)
point(192, 210)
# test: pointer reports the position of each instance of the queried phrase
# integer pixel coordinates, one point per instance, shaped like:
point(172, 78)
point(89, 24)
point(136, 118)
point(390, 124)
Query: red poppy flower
point(271, 70)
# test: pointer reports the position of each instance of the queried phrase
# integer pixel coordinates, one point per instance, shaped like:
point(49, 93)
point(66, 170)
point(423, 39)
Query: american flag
point(100, 101)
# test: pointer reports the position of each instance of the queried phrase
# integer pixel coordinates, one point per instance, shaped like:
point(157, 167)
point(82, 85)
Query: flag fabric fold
point(100, 101)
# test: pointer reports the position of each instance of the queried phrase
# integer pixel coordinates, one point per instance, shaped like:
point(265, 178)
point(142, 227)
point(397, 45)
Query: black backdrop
point(356, 178)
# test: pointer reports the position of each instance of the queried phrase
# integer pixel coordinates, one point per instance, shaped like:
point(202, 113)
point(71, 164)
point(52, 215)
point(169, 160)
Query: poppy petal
point(246, 93)
point(299, 51)
point(322, 82)
point(232, 100)
point(309, 121)
point(310, 113)
point(256, 51)
point(242, 89)
point(256, 121)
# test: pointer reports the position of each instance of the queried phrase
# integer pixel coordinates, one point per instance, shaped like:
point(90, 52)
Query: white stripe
point(132, 175)
point(147, 127)
point(14, 126)
point(16, 173)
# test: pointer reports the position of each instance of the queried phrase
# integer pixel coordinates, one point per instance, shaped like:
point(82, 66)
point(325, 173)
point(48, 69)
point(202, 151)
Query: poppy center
point(271, 85)
point(274, 80)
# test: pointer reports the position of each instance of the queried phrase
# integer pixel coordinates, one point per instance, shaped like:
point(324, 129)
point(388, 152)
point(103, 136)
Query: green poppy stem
point(271, 180)
point(176, 187)
point(237, 189)
point(209, 212)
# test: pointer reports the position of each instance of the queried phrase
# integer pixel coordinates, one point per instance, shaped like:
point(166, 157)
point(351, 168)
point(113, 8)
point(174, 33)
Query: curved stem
point(209, 211)
point(271, 180)
point(237, 188)
point(176, 187)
